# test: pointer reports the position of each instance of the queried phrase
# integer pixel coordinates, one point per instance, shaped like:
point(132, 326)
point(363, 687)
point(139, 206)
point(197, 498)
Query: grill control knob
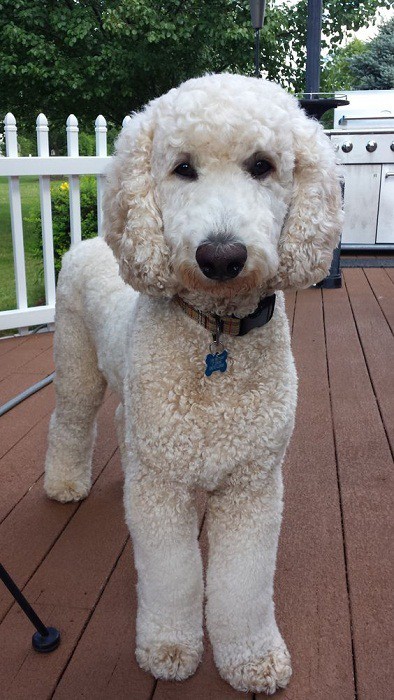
point(347, 147)
point(371, 146)
point(392, 145)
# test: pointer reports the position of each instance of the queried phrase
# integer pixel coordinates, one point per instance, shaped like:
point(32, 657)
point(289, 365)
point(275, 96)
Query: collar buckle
point(260, 317)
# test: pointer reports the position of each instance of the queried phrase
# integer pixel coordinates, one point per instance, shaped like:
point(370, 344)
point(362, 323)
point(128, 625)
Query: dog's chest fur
point(200, 429)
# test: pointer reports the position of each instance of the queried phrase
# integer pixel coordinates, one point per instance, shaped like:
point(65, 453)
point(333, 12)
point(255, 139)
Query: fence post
point(46, 212)
point(11, 145)
point(101, 150)
point(126, 120)
point(75, 193)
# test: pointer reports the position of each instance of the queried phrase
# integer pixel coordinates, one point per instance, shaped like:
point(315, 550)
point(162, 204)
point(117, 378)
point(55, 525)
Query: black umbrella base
point(47, 643)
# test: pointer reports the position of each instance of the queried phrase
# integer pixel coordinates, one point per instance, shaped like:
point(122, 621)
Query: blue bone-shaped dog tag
point(216, 362)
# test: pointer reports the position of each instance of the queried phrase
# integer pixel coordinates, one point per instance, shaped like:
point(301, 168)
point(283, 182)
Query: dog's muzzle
point(221, 261)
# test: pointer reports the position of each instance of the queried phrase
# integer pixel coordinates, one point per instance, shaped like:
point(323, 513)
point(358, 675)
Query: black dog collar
point(231, 325)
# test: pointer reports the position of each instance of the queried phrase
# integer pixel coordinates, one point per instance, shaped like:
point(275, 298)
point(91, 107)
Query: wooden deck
point(333, 582)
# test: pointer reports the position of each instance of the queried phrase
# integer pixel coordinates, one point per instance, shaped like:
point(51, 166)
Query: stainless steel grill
point(364, 141)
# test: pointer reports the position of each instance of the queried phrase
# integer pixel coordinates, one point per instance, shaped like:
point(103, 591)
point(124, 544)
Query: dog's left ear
point(132, 220)
point(314, 220)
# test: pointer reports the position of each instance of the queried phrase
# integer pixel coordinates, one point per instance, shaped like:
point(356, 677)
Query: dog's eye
point(260, 168)
point(186, 170)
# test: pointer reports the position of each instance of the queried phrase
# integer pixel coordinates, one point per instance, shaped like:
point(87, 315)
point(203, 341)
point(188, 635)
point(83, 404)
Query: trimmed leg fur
point(164, 528)
point(243, 528)
point(79, 387)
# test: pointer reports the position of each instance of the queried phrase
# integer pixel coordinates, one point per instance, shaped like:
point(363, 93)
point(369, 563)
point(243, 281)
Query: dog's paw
point(262, 674)
point(169, 661)
point(66, 491)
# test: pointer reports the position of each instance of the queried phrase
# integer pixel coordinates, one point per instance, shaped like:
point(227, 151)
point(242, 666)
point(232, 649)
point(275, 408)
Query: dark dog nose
point(221, 261)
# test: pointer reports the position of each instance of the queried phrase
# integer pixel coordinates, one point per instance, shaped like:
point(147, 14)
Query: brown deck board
point(23, 463)
point(67, 585)
point(112, 670)
point(390, 273)
point(22, 466)
point(24, 352)
point(332, 583)
point(364, 468)
point(377, 344)
point(16, 383)
point(111, 631)
point(383, 288)
point(310, 591)
point(41, 520)
point(16, 424)
point(41, 364)
point(19, 371)
point(10, 344)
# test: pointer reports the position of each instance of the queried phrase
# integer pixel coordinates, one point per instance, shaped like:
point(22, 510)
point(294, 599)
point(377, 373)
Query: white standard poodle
point(221, 194)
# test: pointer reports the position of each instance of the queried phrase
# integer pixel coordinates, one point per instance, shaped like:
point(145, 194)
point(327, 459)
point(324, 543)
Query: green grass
point(35, 284)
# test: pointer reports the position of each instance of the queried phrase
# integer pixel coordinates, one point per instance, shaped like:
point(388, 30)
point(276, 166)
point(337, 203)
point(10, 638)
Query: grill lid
point(367, 109)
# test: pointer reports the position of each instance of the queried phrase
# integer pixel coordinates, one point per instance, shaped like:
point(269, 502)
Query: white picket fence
point(72, 166)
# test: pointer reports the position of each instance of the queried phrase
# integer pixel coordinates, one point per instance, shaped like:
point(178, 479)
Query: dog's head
point(220, 187)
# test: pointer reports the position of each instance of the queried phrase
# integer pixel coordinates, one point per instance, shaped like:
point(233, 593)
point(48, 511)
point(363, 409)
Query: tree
point(374, 68)
point(111, 56)
point(337, 73)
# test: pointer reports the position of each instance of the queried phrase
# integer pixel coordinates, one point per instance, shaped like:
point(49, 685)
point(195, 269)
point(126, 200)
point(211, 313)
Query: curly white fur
point(179, 429)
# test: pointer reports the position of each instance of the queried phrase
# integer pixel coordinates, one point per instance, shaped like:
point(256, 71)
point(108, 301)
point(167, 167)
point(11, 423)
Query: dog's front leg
point(243, 527)
point(163, 523)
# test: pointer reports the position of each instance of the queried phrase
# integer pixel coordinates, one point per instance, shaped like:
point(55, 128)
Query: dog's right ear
point(133, 224)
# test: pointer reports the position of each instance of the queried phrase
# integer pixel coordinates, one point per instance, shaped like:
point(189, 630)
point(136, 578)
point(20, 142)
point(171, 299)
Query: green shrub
point(27, 146)
point(87, 144)
point(61, 218)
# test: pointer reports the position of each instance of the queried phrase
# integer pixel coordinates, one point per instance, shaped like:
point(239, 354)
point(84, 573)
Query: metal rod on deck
point(46, 638)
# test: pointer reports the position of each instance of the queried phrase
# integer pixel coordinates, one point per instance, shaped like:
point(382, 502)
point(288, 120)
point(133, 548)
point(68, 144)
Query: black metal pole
point(46, 638)
point(312, 88)
point(313, 45)
point(257, 53)
point(257, 8)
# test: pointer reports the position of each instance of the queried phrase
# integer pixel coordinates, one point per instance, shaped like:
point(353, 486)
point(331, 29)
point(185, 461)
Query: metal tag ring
point(219, 347)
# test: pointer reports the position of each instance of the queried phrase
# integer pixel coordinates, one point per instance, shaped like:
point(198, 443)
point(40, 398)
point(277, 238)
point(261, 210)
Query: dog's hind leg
point(79, 387)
